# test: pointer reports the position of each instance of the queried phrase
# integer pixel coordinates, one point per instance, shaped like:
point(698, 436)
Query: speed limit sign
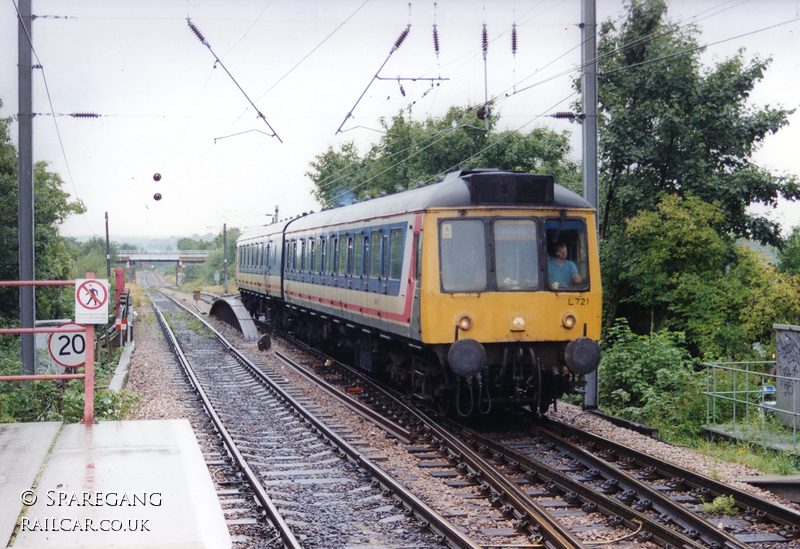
point(68, 348)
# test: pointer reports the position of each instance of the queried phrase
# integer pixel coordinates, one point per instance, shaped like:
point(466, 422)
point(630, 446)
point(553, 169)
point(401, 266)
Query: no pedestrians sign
point(91, 301)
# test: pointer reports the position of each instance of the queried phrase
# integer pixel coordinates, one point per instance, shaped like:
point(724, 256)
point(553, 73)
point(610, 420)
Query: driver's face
point(561, 252)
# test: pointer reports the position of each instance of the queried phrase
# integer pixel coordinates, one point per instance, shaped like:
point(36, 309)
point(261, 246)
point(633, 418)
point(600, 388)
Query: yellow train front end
point(511, 299)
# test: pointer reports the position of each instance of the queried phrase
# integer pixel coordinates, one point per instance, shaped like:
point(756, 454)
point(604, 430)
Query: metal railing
point(87, 376)
point(742, 398)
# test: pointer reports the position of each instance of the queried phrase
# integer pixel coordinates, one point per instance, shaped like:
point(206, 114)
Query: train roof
point(457, 189)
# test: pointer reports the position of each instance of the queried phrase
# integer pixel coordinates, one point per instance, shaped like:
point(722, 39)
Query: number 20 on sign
point(68, 348)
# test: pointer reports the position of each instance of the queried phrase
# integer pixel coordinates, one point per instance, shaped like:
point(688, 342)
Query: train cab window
point(567, 254)
point(516, 254)
point(462, 250)
point(375, 255)
point(395, 254)
point(358, 254)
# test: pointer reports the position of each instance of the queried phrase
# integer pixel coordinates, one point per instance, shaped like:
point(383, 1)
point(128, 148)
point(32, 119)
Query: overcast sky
point(166, 108)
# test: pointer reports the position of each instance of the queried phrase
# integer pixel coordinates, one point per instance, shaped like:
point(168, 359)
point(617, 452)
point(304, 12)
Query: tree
point(789, 254)
point(677, 241)
point(412, 152)
point(51, 207)
point(668, 126)
point(9, 259)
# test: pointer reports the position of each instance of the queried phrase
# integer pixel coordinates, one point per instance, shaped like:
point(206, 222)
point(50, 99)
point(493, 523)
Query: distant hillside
point(150, 244)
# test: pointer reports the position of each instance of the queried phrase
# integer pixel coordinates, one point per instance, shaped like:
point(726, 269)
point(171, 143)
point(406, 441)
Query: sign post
point(91, 307)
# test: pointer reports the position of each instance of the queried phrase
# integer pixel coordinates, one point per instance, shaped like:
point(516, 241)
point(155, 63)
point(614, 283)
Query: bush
point(57, 400)
point(651, 379)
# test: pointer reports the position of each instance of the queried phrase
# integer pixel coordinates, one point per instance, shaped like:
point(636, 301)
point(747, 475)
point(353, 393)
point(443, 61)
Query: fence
point(88, 375)
point(743, 401)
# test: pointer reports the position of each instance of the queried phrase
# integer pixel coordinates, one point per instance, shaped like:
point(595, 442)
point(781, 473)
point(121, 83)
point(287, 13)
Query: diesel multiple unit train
point(479, 290)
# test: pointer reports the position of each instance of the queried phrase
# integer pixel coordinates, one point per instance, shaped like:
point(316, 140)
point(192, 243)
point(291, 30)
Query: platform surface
point(120, 484)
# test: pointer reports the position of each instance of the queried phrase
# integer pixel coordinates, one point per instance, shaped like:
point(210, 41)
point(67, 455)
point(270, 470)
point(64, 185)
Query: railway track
point(317, 489)
point(576, 474)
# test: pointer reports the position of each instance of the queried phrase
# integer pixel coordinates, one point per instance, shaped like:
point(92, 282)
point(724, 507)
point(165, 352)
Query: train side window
point(375, 255)
point(358, 254)
point(385, 256)
point(317, 253)
point(462, 251)
point(350, 259)
point(366, 255)
point(301, 252)
point(323, 254)
point(334, 255)
point(343, 240)
point(395, 254)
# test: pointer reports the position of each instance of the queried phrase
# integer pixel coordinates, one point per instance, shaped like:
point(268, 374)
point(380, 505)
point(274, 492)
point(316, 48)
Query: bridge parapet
point(186, 256)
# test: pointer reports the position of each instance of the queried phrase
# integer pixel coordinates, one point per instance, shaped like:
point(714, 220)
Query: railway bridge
point(129, 258)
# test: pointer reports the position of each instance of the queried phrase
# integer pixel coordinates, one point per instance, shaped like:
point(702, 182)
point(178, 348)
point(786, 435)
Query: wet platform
point(120, 484)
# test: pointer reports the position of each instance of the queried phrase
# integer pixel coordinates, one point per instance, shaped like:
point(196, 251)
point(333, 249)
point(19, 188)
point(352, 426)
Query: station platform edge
point(116, 483)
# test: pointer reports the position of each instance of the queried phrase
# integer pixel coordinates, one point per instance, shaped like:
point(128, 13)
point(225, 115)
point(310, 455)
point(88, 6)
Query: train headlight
point(568, 321)
point(464, 323)
point(518, 324)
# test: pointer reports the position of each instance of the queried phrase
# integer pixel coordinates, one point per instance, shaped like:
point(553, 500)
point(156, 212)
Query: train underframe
point(521, 374)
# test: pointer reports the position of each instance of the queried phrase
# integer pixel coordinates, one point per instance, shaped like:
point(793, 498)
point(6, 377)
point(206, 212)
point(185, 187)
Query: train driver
point(562, 271)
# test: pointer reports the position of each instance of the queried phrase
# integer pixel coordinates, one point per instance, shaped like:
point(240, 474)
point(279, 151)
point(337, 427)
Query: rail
point(743, 400)
point(87, 376)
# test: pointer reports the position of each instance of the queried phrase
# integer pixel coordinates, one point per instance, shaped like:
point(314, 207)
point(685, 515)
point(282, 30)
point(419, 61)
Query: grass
point(721, 505)
point(766, 460)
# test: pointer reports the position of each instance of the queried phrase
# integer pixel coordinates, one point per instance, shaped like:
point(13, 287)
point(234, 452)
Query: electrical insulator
point(485, 41)
point(436, 41)
point(402, 37)
point(564, 114)
point(514, 39)
point(197, 32)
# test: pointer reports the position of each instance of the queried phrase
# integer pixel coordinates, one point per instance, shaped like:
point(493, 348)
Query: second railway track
point(317, 489)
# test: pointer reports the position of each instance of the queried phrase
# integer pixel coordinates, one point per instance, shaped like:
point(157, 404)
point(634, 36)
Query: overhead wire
point(306, 56)
point(674, 28)
point(52, 110)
